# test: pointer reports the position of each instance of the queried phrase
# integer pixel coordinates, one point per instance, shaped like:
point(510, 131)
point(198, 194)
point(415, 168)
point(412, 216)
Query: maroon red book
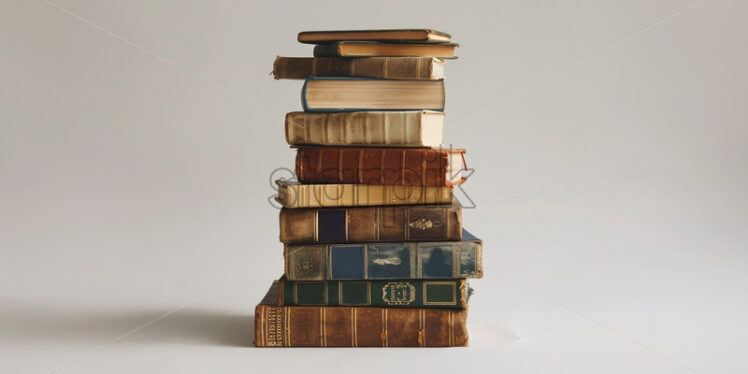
point(381, 166)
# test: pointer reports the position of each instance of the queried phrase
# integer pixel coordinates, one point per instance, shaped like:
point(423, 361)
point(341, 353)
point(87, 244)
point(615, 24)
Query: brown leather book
point(294, 195)
point(367, 67)
point(369, 49)
point(376, 128)
point(441, 222)
point(391, 35)
point(321, 326)
point(381, 166)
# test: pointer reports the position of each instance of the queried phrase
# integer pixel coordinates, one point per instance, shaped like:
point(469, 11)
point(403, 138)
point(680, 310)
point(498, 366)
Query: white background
point(609, 141)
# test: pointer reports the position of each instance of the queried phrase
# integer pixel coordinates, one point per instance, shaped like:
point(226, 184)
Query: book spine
point(340, 195)
point(404, 129)
point(392, 294)
point(372, 224)
point(327, 50)
point(319, 326)
point(380, 166)
point(393, 105)
point(377, 261)
point(368, 67)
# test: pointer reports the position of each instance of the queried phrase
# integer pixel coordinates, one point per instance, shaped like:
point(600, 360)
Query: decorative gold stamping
point(421, 224)
point(398, 293)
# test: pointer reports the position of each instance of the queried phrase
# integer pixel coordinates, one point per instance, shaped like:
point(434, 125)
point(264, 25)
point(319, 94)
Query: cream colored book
point(295, 195)
point(379, 128)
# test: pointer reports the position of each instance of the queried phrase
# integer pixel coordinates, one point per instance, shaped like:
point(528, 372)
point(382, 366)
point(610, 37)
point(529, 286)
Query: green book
point(420, 293)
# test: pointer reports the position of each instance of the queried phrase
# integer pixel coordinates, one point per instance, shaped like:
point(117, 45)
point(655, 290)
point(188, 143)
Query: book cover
point(368, 48)
point(378, 128)
point(371, 224)
point(385, 166)
point(366, 67)
point(295, 195)
point(387, 260)
point(345, 94)
point(321, 326)
point(391, 35)
point(414, 293)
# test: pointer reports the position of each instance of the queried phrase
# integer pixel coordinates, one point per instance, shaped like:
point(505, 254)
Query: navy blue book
point(345, 94)
point(389, 260)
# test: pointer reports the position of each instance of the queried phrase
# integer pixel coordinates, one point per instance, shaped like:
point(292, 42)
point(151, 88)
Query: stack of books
point(375, 252)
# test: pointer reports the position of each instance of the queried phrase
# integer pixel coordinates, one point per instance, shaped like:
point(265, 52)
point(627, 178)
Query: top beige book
point(390, 35)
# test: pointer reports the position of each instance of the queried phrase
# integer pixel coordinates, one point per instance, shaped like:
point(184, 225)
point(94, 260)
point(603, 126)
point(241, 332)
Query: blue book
point(389, 260)
point(346, 94)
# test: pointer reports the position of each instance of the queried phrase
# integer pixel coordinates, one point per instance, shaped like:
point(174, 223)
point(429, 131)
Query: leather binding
point(321, 326)
point(451, 293)
point(380, 166)
point(372, 224)
point(378, 128)
point(365, 67)
point(388, 260)
point(372, 48)
point(294, 195)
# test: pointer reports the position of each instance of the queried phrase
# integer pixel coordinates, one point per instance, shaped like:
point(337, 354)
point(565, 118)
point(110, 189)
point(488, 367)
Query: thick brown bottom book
point(319, 326)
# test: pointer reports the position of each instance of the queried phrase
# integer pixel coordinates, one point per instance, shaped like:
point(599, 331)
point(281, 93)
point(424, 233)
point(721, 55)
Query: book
point(369, 49)
point(295, 195)
point(381, 166)
point(452, 293)
point(394, 35)
point(387, 260)
point(380, 128)
point(371, 224)
point(321, 326)
point(328, 94)
point(365, 67)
